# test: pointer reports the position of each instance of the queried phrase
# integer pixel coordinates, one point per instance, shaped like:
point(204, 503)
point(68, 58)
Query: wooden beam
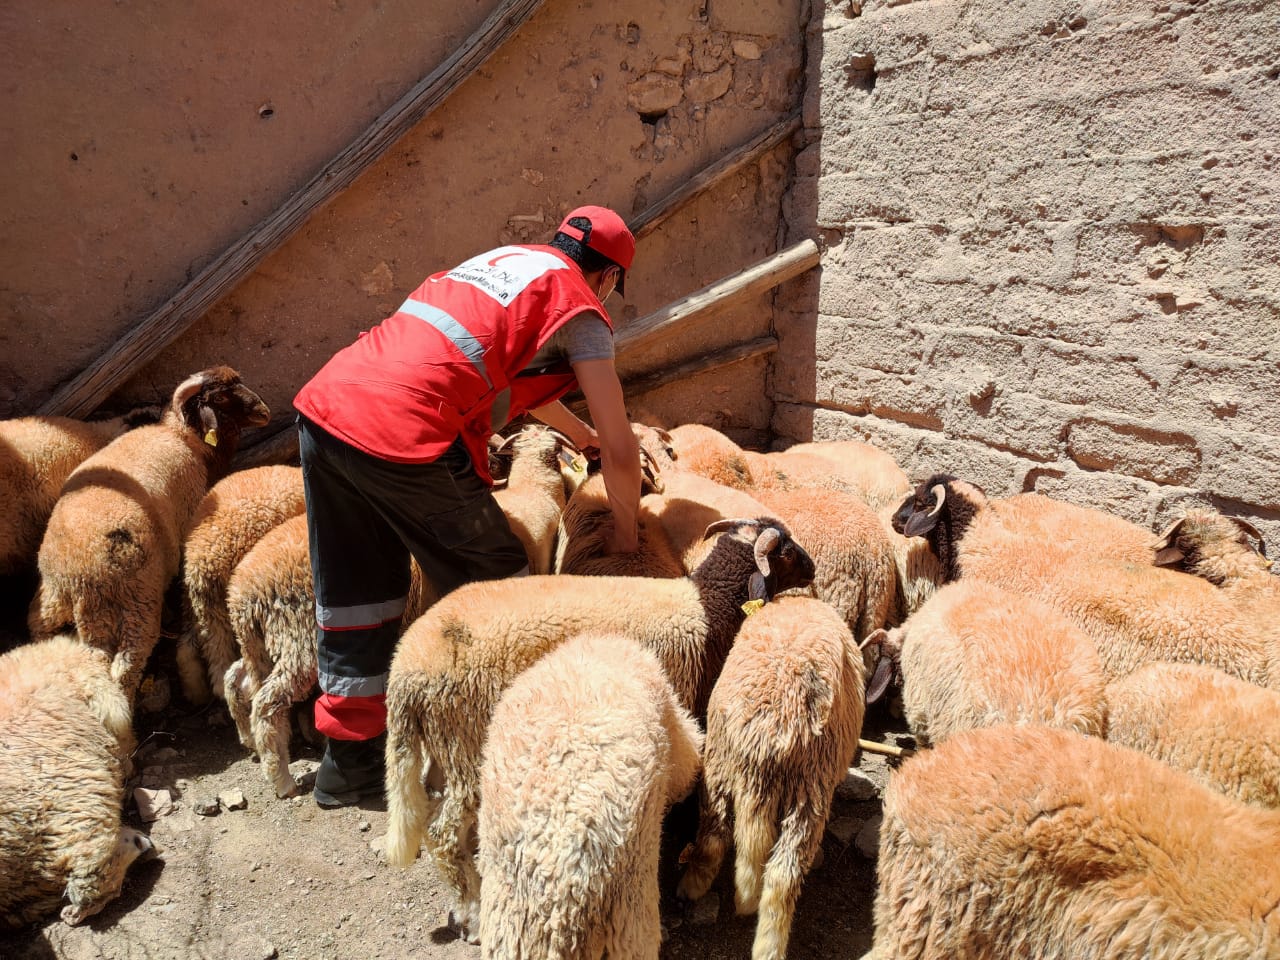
point(768, 273)
point(653, 215)
point(93, 385)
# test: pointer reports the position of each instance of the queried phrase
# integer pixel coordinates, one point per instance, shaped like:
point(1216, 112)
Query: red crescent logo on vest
point(494, 261)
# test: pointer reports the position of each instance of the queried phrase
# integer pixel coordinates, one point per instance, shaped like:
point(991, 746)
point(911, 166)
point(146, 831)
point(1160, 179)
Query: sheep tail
point(780, 888)
point(407, 806)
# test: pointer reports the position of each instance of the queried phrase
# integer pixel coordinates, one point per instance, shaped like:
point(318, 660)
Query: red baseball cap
point(607, 235)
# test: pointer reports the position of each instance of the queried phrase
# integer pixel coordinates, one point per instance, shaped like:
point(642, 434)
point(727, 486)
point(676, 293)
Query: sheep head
point(216, 405)
point(1213, 546)
point(781, 563)
point(940, 510)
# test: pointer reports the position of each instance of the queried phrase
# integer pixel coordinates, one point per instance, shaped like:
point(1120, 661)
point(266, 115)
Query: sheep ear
point(1167, 535)
point(918, 524)
point(757, 589)
point(1169, 556)
point(650, 479)
point(879, 681)
point(208, 425)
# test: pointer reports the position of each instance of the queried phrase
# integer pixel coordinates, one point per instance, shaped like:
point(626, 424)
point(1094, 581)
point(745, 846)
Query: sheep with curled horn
point(114, 539)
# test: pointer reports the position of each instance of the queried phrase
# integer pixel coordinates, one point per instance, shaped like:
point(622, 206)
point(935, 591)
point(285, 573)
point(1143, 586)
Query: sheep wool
point(976, 655)
point(272, 609)
point(782, 729)
point(453, 663)
point(586, 751)
point(1221, 730)
point(114, 539)
point(65, 738)
point(232, 517)
point(1059, 846)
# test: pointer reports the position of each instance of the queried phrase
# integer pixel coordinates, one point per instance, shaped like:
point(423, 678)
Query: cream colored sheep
point(454, 662)
point(1221, 730)
point(534, 493)
point(782, 730)
point(869, 471)
point(65, 739)
point(114, 539)
point(1135, 613)
point(233, 516)
point(1038, 842)
point(976, 655)
point(271, 607)
point(37, 454)
point(853, 553)
point(584, 532)
point(585, 752)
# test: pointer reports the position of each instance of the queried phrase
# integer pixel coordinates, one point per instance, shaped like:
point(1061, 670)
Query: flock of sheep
point(1100, 706)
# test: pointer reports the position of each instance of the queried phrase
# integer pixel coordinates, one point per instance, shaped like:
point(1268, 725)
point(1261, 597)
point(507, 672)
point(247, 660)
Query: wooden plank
point(94, 384)
point(652, 216)
point(768, 273)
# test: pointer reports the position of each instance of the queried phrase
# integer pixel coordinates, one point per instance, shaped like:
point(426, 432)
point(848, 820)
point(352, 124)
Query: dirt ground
point(285, 879)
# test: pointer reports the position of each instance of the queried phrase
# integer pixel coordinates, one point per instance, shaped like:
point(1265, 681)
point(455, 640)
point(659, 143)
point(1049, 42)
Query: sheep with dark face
point(1219, 549)
point(454, 662)
point(114, 539)
point(1135, 612)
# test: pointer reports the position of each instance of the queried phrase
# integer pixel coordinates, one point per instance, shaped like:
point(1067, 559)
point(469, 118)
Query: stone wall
point(1051, 248)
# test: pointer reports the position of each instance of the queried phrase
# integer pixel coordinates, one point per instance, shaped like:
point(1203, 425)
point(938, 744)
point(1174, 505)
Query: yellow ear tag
point(211, 438)
point(752, 606)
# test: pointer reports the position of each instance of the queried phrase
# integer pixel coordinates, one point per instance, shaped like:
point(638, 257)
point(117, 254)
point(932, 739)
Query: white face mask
point(607, 288)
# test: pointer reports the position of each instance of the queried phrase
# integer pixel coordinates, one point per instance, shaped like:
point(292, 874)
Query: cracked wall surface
point(1052, 248)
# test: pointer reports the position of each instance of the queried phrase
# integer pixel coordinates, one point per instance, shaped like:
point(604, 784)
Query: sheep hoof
point(460, 921)
point(73, 915)
point(286, 788)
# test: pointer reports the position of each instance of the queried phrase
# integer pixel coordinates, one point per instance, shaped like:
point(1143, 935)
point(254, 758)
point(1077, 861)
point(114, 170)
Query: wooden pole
point(765, 275)
point(888, 749)
point(653, 215)
point(176, 315)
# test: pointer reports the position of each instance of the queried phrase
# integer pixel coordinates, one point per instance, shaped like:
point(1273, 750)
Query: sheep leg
point(239, 689)
point(269, 721)
point(48, 613)
point(792, 855)
point(191, 669)
point(92, 889)
point(704, 857)
point(138, 634)
point(447, 837)
point(218, 647)
point(755, 830)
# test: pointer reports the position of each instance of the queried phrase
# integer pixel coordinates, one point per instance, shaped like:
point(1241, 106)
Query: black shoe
point(350, 771)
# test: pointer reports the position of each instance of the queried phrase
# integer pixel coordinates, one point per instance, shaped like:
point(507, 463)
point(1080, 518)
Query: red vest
point(449, 362)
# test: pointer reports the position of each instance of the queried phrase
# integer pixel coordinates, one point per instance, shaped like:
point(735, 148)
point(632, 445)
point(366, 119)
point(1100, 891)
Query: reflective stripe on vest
point(453, 331)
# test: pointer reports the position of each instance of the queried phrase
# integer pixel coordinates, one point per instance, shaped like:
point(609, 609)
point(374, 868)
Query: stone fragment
point(654, 93)
point(233, 799)
point(152, 804)
point(856, 786)
point(746, 49)
point(207, 807)
point(705, 87)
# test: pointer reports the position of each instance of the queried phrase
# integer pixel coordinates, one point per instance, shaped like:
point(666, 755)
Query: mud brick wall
point(1051, 248)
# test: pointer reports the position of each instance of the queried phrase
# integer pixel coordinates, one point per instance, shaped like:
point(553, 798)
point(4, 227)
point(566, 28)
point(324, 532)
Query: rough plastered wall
point(1052, 254)
point(144, 139)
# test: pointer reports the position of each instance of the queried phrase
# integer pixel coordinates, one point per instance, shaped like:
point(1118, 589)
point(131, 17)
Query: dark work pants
point(365, 516)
